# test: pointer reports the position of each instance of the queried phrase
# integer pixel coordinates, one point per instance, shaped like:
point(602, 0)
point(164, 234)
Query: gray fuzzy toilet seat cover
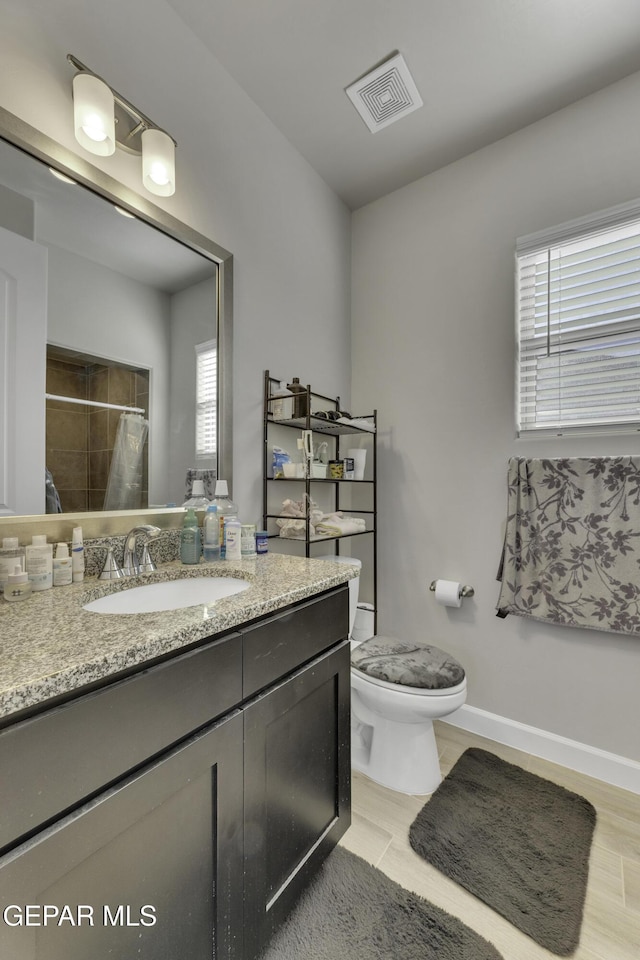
point(396, 661)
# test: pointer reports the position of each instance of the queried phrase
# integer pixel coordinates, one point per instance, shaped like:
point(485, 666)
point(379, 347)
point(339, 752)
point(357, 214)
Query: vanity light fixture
point(123, 212)
point(104, 120)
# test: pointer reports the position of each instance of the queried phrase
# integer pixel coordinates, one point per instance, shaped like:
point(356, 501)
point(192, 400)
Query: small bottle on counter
point(39, 562)
point(62, 566)
point(77, 555)
point(18, 585)
point(232, 538)
point(262, 542)
point(248, 540)
point(11, 555)
point(211, 534)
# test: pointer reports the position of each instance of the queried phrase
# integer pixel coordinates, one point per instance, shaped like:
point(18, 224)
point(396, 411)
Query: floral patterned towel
point(571, 552)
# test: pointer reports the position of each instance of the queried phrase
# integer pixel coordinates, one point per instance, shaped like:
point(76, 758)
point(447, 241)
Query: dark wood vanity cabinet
point(296, 787)
point(136, 868)
point(200, 849)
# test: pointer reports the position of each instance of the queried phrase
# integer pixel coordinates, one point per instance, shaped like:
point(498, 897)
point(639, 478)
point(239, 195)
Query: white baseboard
point(618, 771)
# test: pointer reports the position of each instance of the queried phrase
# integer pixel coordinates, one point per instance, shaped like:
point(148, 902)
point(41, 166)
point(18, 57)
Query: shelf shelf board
point(318, 480)
point(327, 427)
point(317, 539)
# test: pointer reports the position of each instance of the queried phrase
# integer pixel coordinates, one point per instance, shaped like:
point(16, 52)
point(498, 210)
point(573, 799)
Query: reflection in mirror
point(123, 324)
point(97, 454)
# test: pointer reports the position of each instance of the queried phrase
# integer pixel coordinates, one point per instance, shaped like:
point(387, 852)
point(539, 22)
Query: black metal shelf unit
point(334, 430)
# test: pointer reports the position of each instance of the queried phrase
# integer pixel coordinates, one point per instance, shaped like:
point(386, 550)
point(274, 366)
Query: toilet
point(397, 691)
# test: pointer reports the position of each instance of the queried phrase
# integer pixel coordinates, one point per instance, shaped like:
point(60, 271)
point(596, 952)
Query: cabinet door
point(150, 869)
point(297, 788)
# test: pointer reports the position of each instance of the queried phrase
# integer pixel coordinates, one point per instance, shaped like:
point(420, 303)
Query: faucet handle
point(147, 565)
point(111, 569)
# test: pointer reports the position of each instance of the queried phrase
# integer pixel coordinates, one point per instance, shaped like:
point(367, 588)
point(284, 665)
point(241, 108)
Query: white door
point(23, 351)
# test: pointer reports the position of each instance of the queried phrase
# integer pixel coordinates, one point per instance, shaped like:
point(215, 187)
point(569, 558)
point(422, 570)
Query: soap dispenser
point(190, 538)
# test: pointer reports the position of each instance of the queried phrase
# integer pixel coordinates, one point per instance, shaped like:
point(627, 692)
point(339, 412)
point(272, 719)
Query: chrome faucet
point(131, 565)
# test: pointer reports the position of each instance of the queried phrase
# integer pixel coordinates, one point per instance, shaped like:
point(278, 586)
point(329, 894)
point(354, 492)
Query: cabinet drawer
point(54, 761)
point(276, 647)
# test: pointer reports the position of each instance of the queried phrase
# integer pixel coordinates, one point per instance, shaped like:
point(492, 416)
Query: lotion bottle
point(17, 586)
point(62, 566)
point(11, 556)
point(40, 562)
point(77, 555)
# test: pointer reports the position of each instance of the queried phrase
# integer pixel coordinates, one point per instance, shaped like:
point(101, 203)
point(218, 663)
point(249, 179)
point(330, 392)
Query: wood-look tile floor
point(611, 924)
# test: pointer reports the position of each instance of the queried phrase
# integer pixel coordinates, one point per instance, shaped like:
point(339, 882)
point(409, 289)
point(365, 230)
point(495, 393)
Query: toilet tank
point(354, 586)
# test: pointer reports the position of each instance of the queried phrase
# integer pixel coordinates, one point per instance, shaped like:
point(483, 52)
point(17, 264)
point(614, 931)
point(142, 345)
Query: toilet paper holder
point(465, 591)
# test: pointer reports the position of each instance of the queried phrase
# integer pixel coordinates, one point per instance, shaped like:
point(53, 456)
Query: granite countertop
point(51, 646)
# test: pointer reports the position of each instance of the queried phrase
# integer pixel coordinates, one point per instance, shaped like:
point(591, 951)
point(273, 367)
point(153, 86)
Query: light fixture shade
point(158, 163)
point(93, 114)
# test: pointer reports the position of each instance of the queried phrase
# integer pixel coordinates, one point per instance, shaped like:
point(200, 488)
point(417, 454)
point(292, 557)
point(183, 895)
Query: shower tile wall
point(80, 439)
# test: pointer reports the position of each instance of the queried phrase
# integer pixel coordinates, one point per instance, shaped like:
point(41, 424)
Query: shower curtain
point(124, 486)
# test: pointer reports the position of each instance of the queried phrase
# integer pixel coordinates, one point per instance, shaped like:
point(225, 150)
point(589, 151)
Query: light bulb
point(93, 113)
point(158, 162)
point(158, 174)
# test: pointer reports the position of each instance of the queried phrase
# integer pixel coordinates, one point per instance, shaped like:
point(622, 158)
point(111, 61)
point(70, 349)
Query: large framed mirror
point(115, 337)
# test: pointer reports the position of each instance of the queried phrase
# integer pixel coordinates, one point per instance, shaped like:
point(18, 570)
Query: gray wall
point(433, 349)
point(238, 181)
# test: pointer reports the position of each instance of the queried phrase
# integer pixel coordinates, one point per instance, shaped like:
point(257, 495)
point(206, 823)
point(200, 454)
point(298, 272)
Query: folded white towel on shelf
point(337, 525)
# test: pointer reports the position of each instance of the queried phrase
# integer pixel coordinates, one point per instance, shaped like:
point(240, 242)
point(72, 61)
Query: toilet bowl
point(392, 736)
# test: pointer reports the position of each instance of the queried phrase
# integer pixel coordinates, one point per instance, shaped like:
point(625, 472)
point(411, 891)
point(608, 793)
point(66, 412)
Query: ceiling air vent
point(385, 94)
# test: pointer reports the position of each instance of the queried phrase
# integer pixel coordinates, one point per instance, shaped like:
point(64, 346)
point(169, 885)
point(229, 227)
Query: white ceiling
point(484, 69)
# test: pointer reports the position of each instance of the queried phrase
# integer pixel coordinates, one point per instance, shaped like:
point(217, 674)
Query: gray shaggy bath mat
point(351, 911)
point(516, 841)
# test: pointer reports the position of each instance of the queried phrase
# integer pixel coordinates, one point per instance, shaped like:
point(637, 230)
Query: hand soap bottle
point(62, 566)
point(190, 538)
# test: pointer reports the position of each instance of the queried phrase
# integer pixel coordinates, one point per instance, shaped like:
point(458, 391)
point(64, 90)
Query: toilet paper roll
point(448, 593)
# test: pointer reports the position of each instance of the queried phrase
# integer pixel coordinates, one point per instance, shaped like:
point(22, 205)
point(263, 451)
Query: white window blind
point(206, 398)
point(578, 312)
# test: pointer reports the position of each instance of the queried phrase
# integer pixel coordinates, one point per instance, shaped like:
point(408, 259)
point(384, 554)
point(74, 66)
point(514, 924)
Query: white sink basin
point(168, 595)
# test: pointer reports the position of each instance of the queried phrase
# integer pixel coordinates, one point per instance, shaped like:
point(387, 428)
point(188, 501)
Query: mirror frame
point(32, 141)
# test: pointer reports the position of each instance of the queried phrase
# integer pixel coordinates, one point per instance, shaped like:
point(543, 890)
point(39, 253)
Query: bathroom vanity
point(171, 795)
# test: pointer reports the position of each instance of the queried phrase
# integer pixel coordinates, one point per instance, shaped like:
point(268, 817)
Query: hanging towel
point(571, 551)
point(124, 484)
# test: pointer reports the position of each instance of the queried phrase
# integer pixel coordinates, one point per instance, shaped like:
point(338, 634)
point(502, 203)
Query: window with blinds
point(206, 399)
point(578, 314)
